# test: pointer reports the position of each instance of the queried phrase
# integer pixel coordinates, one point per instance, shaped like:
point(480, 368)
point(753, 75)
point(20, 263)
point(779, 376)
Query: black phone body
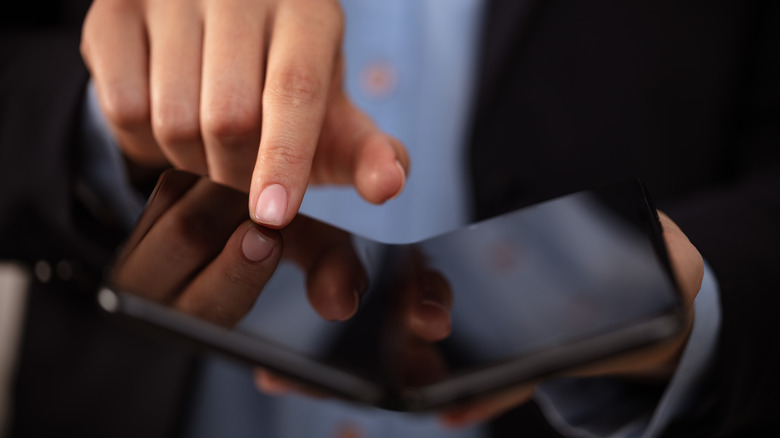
point(534, 292)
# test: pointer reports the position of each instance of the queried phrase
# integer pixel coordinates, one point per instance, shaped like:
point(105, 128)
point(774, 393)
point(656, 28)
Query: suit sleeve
point(736, 227)
point(77, 372)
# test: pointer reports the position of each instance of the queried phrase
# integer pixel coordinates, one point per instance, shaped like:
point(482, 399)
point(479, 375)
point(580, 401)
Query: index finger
point(301, 61)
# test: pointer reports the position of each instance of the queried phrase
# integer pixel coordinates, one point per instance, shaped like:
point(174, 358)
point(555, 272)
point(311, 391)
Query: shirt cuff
point(611, 407)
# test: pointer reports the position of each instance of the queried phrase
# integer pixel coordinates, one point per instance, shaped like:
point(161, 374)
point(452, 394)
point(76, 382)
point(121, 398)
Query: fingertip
point(350, 308)
point(270, 207)
point(256, 246)
point(402, 172)
point(431, 317)
point(401, 154)
point(336, 306)
point(381, 174)
point(432, 321)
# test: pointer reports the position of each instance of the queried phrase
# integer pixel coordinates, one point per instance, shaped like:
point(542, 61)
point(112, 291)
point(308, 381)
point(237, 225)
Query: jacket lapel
point(506, 27)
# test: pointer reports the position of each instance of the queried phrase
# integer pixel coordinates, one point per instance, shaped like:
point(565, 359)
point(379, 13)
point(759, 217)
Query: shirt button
point(43, 271)
point(378, 79)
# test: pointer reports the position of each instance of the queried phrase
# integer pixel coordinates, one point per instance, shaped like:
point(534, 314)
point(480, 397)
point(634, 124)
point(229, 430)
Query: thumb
point(353, 150)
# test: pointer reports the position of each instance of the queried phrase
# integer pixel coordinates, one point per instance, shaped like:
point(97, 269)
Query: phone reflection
point(183, 230)
point(505, 300)
point(179, 256)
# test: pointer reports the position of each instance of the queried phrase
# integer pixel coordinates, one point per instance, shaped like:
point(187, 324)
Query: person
point(567, 96)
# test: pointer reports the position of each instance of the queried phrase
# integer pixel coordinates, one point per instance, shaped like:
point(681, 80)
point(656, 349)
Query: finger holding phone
point(415, 316)
point(657, 363)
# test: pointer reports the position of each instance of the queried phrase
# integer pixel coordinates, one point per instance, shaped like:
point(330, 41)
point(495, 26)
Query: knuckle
point(231, 124)
point(296, 86)
point(173, 125)
point(282, 158)
point(125, 109)
point(243, 279)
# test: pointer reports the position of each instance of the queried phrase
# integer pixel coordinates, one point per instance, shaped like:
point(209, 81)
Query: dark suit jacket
point(683, 94)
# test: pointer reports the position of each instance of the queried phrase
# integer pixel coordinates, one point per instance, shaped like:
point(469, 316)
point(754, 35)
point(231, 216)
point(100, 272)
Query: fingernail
point(435, 304)
point(431, 294)
point(403, 179)
point(255, 246)
point(271, 205)
point(438, 321)
point(353, 310)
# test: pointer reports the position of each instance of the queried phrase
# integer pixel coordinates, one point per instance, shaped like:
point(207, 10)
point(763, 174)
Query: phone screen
point(531, 293)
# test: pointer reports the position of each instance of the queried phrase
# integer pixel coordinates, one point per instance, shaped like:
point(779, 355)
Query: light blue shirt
point(423, 53)
point(410, 64)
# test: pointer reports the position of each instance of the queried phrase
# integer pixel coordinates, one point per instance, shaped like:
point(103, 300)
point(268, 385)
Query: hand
point(195, 251)
point(657, 363)
point(246, 91)
point(416, 315)
point(335, 278)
